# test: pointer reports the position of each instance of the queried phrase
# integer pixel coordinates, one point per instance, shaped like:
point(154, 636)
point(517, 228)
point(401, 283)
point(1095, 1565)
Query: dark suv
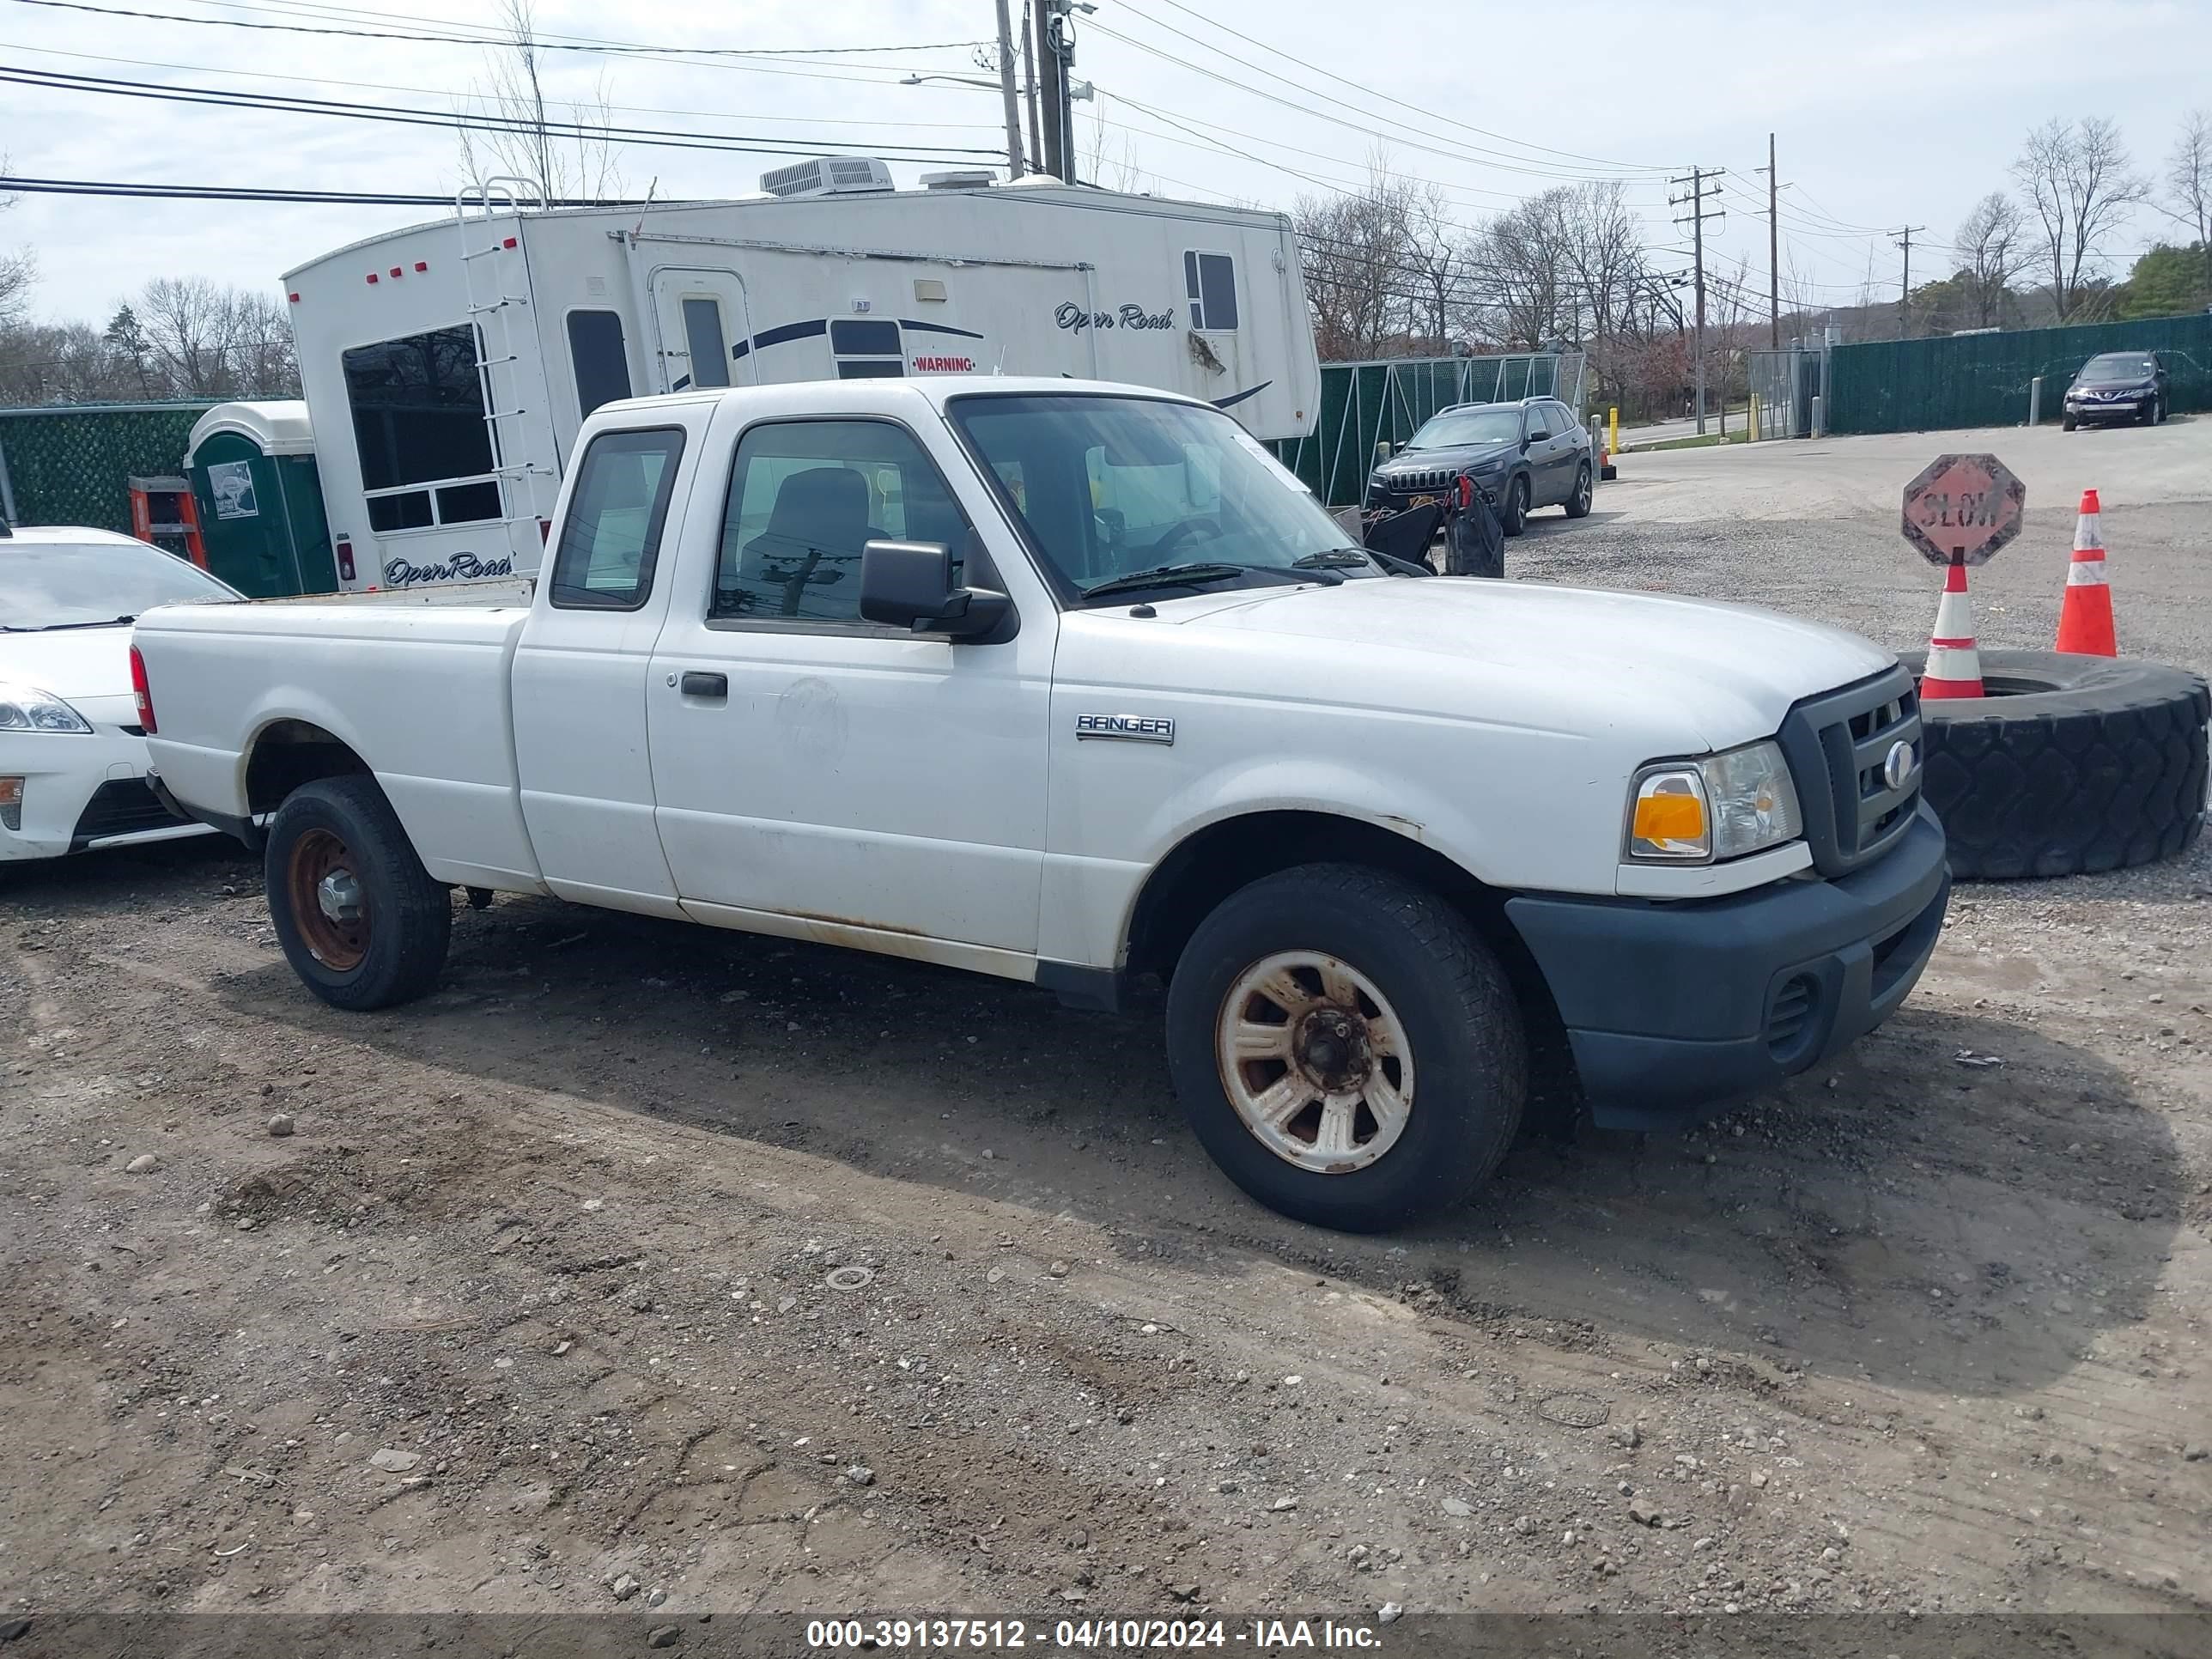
point(2117, 386)
point(1528, 454)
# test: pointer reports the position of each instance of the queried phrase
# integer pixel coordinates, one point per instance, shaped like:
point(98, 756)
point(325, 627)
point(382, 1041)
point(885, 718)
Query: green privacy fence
point(1363, 404)
point(72, 465)
point(1983, 379)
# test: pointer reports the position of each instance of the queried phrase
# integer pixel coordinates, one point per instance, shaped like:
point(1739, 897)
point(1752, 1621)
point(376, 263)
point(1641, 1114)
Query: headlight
point(1721, 807)
point(27, 709)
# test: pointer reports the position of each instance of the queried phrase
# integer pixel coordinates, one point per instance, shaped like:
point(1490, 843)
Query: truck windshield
point(90, 584)
point(1110, 488)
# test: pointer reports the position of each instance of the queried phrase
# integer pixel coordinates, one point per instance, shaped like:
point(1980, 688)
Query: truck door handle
point(697, 684)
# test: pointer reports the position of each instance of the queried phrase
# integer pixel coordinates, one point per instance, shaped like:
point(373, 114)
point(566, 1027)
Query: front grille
point(1839, 746)
point(1408, 483)
point(121, 806)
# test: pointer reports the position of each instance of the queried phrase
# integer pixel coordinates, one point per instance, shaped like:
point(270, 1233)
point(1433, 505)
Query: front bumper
point(82, 791)
point(2132, 407)
point(1677, 1010)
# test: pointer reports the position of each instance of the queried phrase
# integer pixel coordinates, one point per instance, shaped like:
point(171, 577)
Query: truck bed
point(427, 672)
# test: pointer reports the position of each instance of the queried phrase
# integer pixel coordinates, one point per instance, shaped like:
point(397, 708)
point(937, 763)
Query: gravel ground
point(654, 1267)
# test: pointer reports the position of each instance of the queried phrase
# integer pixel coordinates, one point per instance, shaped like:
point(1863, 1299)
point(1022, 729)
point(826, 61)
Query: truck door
point(699, 317)
point(579, 674)
point(862, 781)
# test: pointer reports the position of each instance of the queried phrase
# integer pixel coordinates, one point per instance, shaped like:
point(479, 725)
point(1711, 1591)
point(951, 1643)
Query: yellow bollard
point(1613, 430)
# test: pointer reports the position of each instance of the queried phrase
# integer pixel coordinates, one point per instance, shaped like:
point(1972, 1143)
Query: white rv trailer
point(447, 367)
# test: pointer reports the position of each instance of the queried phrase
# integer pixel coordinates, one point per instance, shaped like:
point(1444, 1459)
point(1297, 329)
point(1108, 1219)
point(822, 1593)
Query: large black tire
point(1456, 1013)
point(1578, 504)
point(391, 947)
point(1515, 518)
point(2073, 765)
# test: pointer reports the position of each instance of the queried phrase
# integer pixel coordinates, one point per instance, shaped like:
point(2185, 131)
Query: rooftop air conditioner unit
point(828, 175)
point(961, 178)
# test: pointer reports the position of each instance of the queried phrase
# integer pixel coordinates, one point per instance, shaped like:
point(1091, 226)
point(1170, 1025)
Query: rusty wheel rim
point(1315, 1061)
point(329, 905)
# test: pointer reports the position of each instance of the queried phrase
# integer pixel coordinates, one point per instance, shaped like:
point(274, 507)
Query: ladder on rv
point(526, 487)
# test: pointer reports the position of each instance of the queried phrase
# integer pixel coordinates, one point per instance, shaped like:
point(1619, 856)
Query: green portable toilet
point(252, 470)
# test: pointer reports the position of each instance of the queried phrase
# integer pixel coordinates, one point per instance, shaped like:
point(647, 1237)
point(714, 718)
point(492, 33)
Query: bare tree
point(202, 340)
point(18, 270)
point(565, 147)
point(2078, 181)
point(2189, 181)
point(1359, 277)
point(1524, 270)
point(1992, 249)
point(1436, 264)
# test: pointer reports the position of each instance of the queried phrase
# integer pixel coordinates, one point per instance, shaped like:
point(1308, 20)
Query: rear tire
point(360, 920)
point(1578, 504)
point(1397, 1080)
point(1514, 519)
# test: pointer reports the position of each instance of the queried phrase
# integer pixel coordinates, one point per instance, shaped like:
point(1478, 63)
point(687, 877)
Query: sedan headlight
point(1721, 807)
point(27, 709)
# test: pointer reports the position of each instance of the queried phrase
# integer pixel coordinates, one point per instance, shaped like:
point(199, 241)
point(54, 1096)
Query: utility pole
point(1006, 92)
point(1701, 186)
point(1049, 99)
point(1059, 43)
point(1030, 88)
point(1773, 247)
point(1904, 291)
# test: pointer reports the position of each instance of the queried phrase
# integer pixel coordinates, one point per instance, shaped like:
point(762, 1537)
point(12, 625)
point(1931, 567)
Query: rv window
point(867, 350)
point(806, 496)
point(703, 338)
point(1210, 280)
point(612, 530)
point(595, 352)
point(418, 420)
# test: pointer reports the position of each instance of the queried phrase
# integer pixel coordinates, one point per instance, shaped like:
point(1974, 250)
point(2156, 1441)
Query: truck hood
point(69, 662)
point(1529, 653)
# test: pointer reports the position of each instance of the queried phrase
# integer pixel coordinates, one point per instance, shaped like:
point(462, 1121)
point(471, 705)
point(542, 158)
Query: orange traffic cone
point(2085, 619)
point(1954, 667)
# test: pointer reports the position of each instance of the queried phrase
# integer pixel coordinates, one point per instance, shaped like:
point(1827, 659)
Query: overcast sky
point(1887, 113)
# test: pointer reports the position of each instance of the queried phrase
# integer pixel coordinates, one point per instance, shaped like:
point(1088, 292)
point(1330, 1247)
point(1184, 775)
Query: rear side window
point(595, 351)
point(616, 512)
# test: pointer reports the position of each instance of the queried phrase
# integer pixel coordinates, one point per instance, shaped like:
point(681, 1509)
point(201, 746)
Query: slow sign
point(1962, 508)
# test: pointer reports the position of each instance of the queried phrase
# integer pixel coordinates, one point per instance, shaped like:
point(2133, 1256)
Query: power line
point(31, 186)
point(446, 92)
point(655, 137)
point(545, 44)
point(1341, 103)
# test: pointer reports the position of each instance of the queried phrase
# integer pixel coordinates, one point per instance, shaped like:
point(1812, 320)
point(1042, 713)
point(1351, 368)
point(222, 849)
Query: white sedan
point(72, 753)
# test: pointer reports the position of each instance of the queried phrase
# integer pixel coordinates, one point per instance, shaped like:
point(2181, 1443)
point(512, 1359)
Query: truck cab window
point(1209, 280)
point(806, 496)
point(595, 352)
point(418, 422)
point(610, 534)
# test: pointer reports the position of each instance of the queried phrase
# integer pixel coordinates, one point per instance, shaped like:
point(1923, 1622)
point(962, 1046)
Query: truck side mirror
point(910, 585)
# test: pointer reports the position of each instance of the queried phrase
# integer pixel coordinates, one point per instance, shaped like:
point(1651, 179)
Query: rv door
point(699, 319)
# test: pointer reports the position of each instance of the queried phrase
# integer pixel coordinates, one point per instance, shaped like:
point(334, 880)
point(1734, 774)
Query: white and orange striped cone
point(2085, 619)
point(1954, 667)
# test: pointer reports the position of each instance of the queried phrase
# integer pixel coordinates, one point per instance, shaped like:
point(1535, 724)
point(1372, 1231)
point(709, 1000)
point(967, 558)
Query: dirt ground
point(650, 1267)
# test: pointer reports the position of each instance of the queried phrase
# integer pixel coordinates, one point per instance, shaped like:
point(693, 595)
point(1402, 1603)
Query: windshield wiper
point(56, 627)
point(1335, 558)
point(1165, 575)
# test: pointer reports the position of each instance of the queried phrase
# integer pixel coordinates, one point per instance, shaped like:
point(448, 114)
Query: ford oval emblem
point(1897, 765)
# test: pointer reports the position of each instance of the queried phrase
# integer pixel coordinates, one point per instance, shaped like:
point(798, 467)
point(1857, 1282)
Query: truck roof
point(874, 395)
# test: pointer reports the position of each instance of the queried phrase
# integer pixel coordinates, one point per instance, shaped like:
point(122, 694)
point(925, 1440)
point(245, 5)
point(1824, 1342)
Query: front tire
point(2066, 424)
point(1578, 504)
point(360, 920)
point(1514, 519)
point(1346, 1048)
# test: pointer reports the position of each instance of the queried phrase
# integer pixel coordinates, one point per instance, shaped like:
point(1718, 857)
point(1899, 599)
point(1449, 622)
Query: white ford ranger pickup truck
point(1074, 683)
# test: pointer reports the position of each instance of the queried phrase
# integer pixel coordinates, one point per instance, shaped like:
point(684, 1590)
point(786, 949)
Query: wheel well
point(289, 753)
point(1217, 860)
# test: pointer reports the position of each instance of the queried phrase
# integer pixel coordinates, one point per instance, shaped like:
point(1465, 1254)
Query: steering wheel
point(1181, 529)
